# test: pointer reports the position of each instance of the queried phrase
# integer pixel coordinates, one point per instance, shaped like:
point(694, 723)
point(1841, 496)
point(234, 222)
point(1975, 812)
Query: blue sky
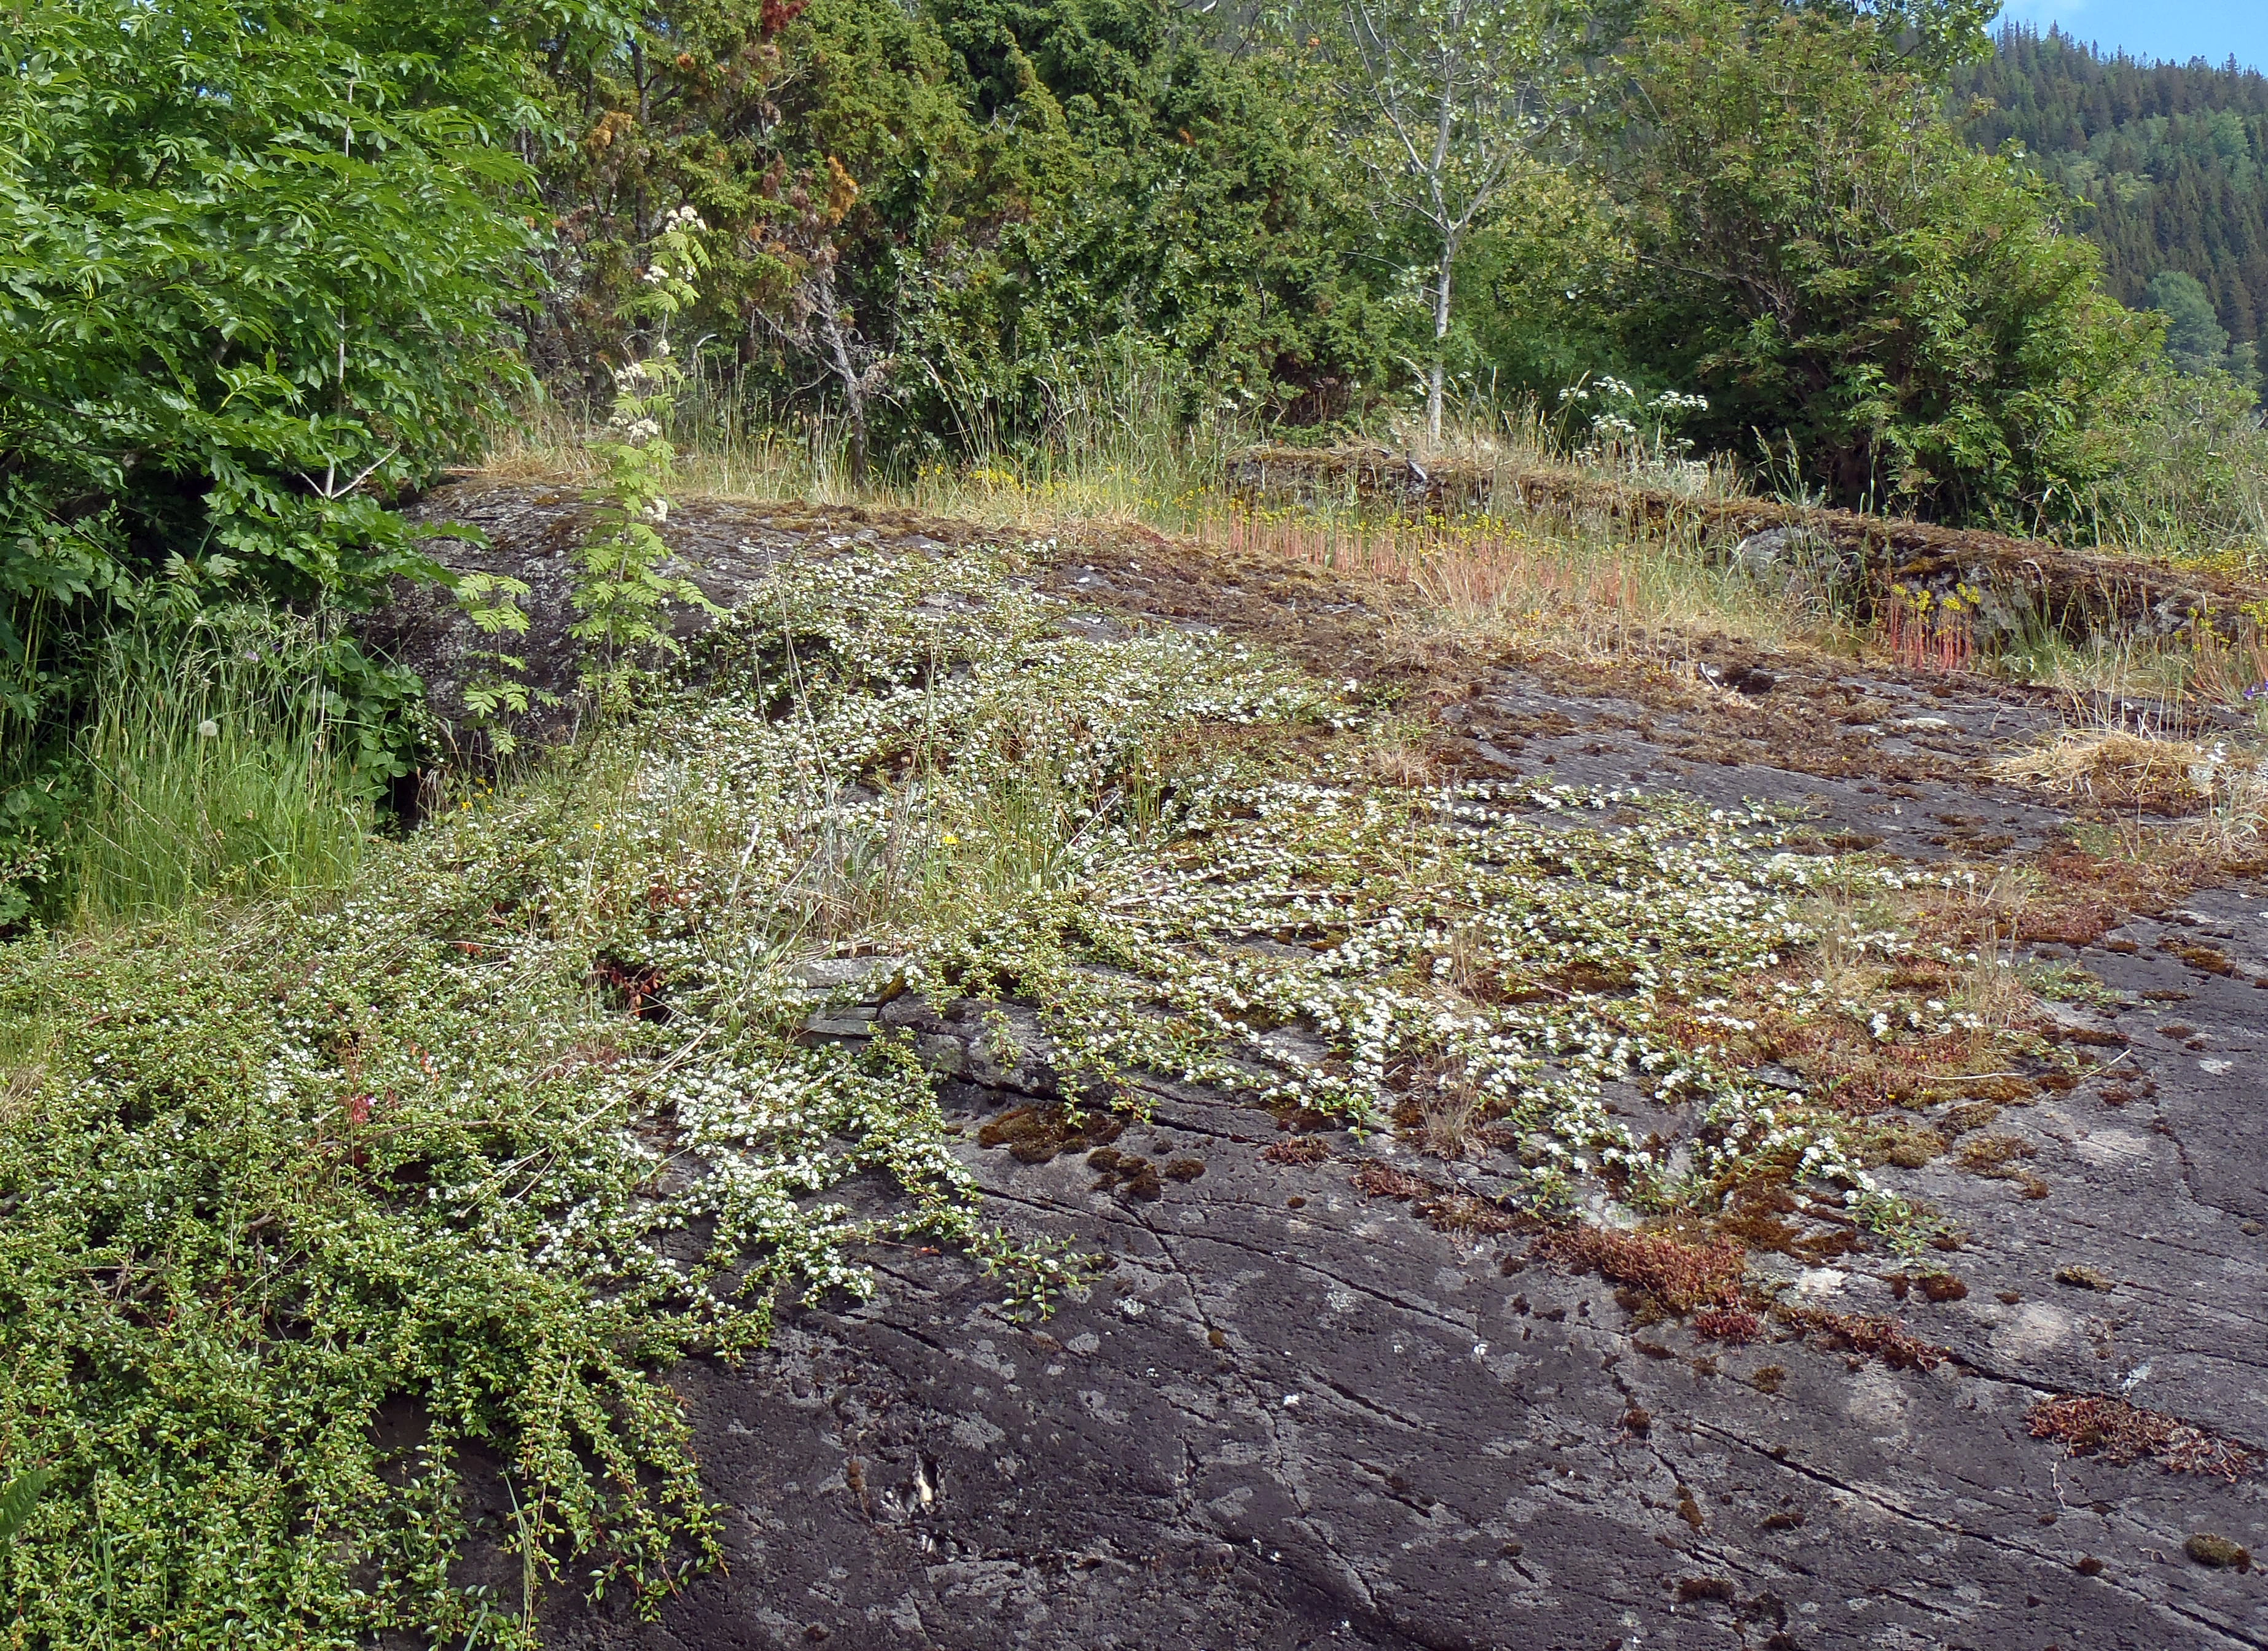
point(2178, 29)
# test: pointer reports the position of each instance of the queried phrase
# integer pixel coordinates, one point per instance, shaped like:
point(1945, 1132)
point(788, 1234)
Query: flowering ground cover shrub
point(313, 1210)
point(269, 1187)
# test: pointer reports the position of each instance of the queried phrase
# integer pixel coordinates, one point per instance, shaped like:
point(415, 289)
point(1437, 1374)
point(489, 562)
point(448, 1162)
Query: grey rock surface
point(1290, 1415)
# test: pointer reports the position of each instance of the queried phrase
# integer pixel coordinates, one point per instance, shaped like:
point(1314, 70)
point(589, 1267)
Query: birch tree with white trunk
point(1441, 102)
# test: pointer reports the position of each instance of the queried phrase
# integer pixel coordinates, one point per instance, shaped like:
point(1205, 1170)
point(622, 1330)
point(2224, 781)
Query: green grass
point(210, 763)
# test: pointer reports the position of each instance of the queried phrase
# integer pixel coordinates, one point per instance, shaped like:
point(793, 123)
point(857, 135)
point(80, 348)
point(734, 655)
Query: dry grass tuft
point(1600, 591)
point(1448, 1106)
point(2117, 768)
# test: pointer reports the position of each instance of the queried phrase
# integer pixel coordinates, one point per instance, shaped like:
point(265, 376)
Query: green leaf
point(23, 1492)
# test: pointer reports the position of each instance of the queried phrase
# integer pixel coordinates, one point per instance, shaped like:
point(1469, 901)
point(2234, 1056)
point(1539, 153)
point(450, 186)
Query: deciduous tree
point(1440, 103)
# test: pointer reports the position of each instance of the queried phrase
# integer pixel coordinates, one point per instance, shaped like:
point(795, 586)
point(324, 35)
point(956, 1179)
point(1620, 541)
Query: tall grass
point(212, 765)
point(1116, 443)
point(1596, 587)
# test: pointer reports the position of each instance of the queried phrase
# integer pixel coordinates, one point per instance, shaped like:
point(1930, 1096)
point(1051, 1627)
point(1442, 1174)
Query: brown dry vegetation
point(2099, 588)
point(2089, 1425)
point(1680, 1276)
point(1444, 1208)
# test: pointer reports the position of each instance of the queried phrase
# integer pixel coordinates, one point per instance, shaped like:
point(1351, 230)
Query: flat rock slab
point(1331, 1425)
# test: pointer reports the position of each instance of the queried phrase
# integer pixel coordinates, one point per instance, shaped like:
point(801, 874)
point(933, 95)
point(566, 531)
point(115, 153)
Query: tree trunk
point(1441, 343)
point(856, 396)
point(840, 359)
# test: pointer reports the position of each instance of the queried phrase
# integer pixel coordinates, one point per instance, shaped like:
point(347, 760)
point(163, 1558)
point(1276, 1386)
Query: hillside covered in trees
point(2172, 159)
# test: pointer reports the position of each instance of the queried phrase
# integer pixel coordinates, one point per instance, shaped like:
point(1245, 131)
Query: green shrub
point(1818, 251)
point(252, 259)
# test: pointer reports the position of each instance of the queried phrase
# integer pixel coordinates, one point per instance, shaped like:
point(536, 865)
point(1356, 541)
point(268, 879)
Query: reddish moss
point(2094, 1424)
point(2203, 958)
point(1734, 1324)
point(1681, 1277)
point(1883, 1338)
point(1443, 1207)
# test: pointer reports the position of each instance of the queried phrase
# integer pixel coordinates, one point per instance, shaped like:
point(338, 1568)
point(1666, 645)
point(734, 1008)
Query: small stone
point(850, 1027)
point(2084, 1278)
point(2251, 1229)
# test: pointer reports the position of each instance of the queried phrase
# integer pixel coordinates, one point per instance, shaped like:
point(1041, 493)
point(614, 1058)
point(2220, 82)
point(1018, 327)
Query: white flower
point(208, 728)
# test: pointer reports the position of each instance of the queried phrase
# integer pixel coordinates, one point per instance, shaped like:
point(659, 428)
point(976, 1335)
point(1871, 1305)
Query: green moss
point(2218, 1553)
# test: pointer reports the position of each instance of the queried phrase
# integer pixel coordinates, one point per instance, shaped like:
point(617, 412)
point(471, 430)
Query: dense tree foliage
point(251, 260)
point(938, 219)
point(2196, 341)
point(2173, 159)
point(1818, 251)
point(269, 266)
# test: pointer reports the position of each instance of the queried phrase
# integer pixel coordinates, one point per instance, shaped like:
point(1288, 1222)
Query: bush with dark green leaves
point(251, 257)
point(1820, 254)
point(948, 218)
point(252, 262)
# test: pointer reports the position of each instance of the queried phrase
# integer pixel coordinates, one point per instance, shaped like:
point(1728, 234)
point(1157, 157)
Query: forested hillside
point(2169, 155)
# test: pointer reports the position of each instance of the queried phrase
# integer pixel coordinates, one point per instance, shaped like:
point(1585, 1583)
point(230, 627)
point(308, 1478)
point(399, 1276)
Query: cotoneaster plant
point(318, 1216)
